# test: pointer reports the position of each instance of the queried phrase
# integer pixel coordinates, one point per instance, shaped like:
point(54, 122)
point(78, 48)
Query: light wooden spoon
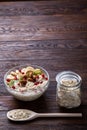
point(24, 115)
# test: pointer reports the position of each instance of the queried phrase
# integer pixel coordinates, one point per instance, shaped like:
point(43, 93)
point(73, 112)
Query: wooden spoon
point(24, 115)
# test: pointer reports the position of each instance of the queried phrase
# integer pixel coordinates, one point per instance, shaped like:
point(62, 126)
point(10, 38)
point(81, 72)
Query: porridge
point(27, 81)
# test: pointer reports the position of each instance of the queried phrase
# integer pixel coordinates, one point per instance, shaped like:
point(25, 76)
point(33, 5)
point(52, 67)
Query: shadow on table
point(39, 105)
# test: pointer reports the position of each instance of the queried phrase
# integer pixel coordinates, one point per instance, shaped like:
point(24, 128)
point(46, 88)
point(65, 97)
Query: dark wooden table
point(51, 34)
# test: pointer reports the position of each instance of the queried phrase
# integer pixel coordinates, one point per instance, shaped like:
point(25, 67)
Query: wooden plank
point(44, 44)
point(43, 7)
point(52, 34)
point(53, 66)
point(21, 28)
point(19, 53)
point(8, 102)
point(53, 69)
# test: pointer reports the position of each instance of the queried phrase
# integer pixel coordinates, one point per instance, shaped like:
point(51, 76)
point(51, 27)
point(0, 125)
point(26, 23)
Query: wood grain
point(43, 8)
point(51, 34)
point(21, 28)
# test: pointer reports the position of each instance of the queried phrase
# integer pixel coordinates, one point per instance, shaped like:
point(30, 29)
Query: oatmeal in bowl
point(26, 82)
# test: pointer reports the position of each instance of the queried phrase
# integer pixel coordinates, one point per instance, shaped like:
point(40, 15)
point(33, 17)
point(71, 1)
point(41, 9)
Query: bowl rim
point(20, 66)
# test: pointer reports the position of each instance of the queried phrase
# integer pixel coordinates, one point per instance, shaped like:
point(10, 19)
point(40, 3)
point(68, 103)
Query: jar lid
point(68, 79)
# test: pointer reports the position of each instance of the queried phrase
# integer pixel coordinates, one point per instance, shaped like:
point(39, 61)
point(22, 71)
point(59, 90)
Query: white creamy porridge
point(27, 81)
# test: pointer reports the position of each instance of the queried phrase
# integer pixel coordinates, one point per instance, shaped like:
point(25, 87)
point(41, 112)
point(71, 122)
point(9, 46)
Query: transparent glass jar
point(68, 93)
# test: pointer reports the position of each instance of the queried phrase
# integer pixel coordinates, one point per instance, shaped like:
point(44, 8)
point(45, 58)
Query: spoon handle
point(60, 115)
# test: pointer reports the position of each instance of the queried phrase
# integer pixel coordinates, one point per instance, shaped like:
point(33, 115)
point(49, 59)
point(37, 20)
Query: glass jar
point(68, 92)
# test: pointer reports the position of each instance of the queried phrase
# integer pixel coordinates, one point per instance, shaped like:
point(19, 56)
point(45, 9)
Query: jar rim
point(69, 73)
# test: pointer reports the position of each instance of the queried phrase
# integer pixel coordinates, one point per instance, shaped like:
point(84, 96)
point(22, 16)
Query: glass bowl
point(33, 93)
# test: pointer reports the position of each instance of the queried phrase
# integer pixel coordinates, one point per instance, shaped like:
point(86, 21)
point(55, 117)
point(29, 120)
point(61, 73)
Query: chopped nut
point(23, 82)
point(31, 79)
point(29, 73)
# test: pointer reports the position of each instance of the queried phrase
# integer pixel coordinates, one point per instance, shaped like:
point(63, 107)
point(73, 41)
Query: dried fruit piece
point(31, 79)
point(29, 73)
point(13, 87)
point(37, 71)
point(36, 83)
point(13, 73)
point(46, 78)
point(41, 82)
point(43, 76)
point(15, 77)
point(23, 82)
point(8, 80)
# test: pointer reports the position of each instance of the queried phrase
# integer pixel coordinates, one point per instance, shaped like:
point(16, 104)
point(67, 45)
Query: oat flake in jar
point(68, 92)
